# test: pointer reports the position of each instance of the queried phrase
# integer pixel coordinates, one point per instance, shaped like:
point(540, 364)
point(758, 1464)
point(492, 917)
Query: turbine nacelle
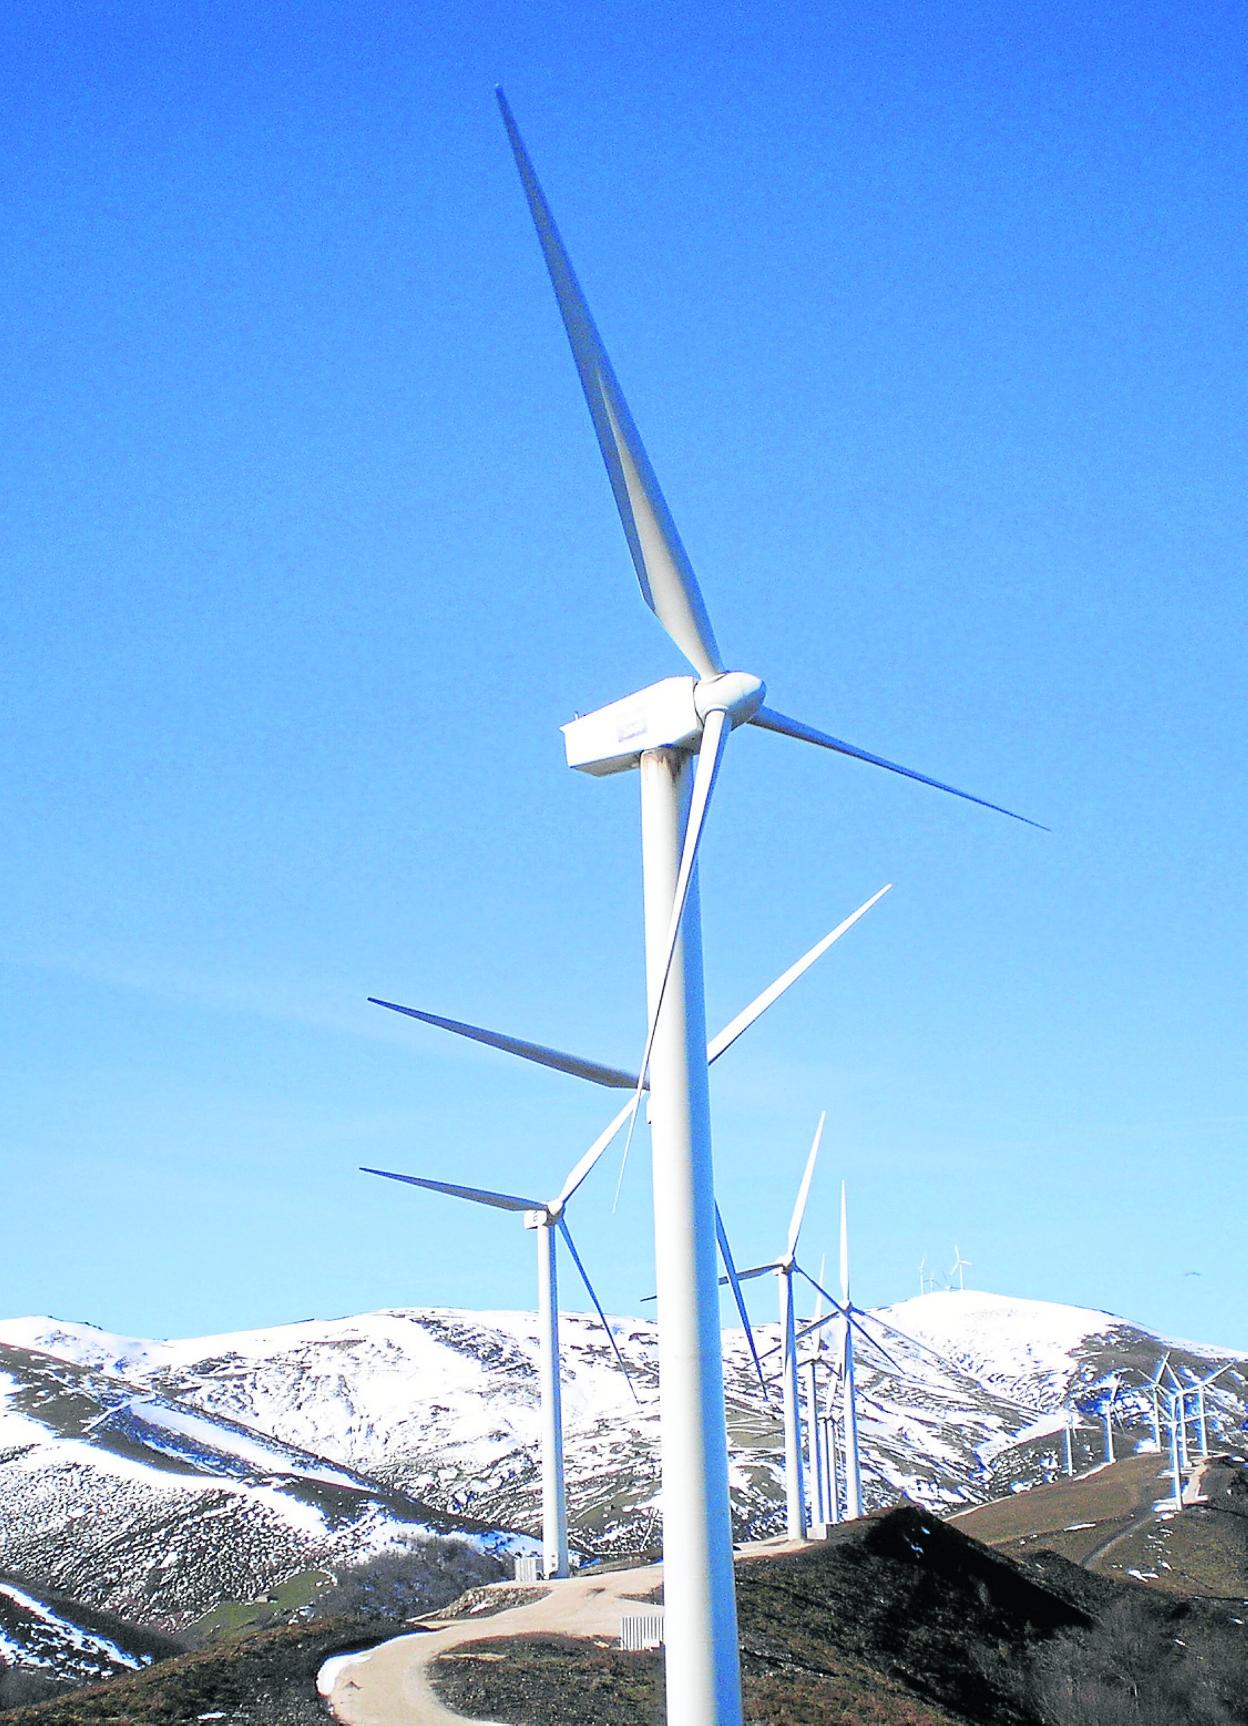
point(669, 714)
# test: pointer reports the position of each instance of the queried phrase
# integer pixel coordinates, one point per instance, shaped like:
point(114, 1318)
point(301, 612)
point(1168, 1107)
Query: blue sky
point(934, 328)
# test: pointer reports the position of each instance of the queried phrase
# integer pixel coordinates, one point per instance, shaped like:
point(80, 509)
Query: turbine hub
point(736, 693)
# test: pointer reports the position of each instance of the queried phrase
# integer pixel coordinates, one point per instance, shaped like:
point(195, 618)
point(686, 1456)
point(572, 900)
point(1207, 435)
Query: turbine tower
point(1177, 1463)
point(1107, 1414)
point(853, 1467)
point(663, 730)
point(546, 1218)
point(1153, 1387)
point(816, 1421)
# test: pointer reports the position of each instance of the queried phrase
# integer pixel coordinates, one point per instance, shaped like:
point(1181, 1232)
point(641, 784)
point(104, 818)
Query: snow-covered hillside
point(441, 1407)
point(58, 1638)
point(129, 1499)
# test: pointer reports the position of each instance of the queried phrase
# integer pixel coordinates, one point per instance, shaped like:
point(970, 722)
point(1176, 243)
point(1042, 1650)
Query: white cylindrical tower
point(703, 1672)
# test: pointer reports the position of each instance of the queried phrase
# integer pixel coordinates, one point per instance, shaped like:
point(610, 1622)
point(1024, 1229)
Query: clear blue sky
point(933, 321)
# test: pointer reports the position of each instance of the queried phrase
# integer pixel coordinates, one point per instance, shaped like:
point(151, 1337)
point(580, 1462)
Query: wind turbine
point(1177, 1461)
point(1106, 1412)
point(1201, 1419)
point(1178, 1405)
point(663, 730)
point(959, 1265)
point(817, 1458)
point(546, 1218)
point(1067, 1443)
point(599, 1073)
point(848, 1318)
point(1153, 1386)
point(923, 1275)
point(785, 1269)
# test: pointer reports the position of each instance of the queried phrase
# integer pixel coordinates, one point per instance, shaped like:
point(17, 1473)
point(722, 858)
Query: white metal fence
point(640, 1630)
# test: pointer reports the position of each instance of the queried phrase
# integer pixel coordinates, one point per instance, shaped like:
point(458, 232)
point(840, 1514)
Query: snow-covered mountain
point(124, 1496)
point(324, 1437)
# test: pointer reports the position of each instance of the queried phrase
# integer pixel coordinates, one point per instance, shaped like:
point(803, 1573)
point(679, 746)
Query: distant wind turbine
point(785, 1269)
point(1177, 1461)
point(817, 1459)
point(546, 1217)
point(1153, 1387)
point(1201, 1417)
point(959, 1265)
point(614, 1078)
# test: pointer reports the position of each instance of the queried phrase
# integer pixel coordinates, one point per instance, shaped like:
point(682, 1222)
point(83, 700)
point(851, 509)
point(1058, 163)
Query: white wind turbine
point(785, 1269)
point(847, 1318)
point(819, 1459)
point(1153, 1388)
point(663, 730)
point(546, 1218)
point(1106, 1412)
point(959, 1265)
point(1178, 1413)
point(1067, 1443)
point(1178, 1461)
point(1201, 1414)
point(614, 1078)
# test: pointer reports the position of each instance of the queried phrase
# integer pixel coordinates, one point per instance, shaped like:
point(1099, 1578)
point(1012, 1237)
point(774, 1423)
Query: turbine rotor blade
point(720, 1044)
point(875, 1343)
point(725, 1252)
point(668, 584)
point(715, 728)
point(580, 1068)
point(818, 1324)
point(566, 1232)
point(770, 720)
point(799, 1209)
point(754, 1271)
point(586, 1163)
point(477, 1195)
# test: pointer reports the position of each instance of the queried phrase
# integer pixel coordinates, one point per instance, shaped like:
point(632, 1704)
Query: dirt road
point(389, 1685)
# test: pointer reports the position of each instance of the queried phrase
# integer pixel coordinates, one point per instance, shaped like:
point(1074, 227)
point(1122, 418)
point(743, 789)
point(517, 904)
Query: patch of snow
point(84, 1641)
point(333, 1669)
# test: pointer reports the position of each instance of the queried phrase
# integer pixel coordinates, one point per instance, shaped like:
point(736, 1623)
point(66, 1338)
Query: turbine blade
point(580, 1068)
point(803, 1193)
point(583, 1167)
point(875, 1342)
point(770, 720)
point(714, 735)
point(668, 584)
point(837, 1310)
point(725, 1252)
point(754, 1271)
point(478, 1195)
point(759, 1005)
point(566, 1232)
